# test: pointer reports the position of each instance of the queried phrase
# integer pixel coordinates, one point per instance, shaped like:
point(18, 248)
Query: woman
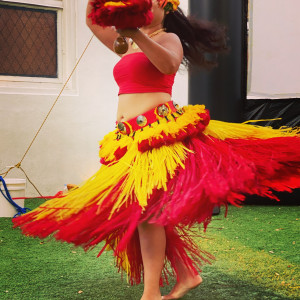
point(164, 167)
point(165, 52)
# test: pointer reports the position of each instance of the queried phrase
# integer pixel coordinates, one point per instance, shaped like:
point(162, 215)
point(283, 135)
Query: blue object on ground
point(20, 210)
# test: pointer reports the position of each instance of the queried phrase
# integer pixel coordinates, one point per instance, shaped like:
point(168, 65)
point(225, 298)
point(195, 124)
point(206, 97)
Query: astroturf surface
point(256, 250)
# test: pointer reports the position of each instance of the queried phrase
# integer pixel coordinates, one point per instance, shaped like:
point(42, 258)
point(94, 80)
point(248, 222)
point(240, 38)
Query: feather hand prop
point(121, 14)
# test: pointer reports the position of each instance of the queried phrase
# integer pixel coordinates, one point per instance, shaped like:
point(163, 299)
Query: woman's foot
point(183, 287)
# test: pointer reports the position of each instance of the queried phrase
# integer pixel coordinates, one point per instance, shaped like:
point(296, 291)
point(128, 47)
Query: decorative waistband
point(165, 111)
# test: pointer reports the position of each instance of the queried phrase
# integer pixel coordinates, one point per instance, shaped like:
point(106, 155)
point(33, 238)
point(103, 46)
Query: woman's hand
point(128, 32)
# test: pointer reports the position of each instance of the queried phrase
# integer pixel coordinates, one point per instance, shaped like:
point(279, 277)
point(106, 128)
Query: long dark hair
point(198, 38)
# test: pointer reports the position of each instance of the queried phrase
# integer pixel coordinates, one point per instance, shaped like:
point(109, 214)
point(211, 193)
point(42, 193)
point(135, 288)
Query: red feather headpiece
point(121, 14)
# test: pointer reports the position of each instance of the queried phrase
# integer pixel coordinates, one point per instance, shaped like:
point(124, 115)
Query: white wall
point(66, 151)
point(274, 48)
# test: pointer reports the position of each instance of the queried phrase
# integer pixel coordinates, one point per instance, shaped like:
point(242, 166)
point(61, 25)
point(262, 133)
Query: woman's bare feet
point(183, 287)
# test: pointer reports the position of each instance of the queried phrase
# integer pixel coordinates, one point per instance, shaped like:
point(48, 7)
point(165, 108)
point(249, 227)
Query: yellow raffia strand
point(118, 4)
point(225, 130)
point(124, 263)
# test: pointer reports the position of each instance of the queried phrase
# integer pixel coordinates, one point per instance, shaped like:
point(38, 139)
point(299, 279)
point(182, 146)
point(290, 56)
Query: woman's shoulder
point(168, 37)
point(170, 40)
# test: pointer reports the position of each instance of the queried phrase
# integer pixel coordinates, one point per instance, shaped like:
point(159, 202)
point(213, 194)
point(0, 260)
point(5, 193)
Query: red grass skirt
point(172, 173)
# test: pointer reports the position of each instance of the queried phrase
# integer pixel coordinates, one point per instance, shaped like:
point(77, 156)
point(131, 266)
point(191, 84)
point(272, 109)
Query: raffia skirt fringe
point(172, 172)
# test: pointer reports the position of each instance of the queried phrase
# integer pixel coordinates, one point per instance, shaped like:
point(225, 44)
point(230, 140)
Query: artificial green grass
point(256, 249)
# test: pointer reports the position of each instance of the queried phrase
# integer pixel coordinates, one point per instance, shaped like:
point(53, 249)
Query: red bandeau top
point(134, 73)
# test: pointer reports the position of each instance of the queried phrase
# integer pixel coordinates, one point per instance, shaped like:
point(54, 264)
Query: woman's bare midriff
point(133, 105)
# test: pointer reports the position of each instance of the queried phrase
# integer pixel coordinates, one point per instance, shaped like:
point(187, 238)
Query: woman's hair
point(199, 38)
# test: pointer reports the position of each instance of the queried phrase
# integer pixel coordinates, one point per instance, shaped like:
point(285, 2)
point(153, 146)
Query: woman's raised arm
point(165, 52)
point(106, 35)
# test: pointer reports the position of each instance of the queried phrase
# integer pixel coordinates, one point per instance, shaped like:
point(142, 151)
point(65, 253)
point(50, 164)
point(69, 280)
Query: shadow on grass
point(216, 286)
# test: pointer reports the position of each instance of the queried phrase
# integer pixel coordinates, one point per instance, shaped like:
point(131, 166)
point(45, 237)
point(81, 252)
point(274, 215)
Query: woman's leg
point(187, 280)
point(153, 248)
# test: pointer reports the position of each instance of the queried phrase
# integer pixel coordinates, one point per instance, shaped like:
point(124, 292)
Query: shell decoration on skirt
point(171, 166)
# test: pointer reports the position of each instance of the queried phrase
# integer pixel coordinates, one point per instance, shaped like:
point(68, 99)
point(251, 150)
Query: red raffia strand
point(121, 14)
point(58, 195)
